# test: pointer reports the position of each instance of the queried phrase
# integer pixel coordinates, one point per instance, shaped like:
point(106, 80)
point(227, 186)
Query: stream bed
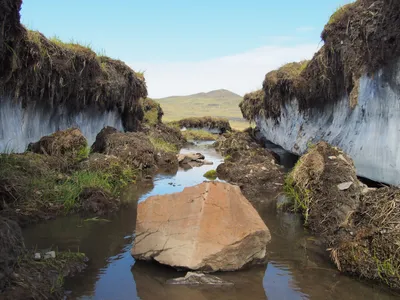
point(297, 269)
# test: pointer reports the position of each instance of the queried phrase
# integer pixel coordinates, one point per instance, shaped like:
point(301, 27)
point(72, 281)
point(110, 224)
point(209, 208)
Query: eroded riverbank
point(298, 267)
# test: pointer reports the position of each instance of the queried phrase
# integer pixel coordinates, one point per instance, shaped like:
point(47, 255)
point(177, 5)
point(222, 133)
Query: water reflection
point(298, 267)
point(150, 284)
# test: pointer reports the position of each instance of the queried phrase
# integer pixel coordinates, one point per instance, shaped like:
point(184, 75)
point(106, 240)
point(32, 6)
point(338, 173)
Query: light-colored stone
point(195, 278)
point(345, 185)
point(207, 162)
point(192, 159)
point(211, 227)
point(37, 256)
point(50, 254)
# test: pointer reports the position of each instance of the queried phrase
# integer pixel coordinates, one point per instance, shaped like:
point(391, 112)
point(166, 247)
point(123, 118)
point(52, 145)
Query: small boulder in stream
point(191, 160)
point(208, 227)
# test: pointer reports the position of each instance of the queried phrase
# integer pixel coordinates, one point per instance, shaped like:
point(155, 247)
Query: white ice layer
point(369, 133)
point(19, 127)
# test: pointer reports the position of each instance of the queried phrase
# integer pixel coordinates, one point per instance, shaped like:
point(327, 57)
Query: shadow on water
point(298, 268)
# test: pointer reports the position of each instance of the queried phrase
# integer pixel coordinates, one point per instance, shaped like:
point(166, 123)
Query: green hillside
point(218, 103)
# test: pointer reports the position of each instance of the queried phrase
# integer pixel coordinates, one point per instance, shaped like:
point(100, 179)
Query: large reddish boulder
point(210, 227)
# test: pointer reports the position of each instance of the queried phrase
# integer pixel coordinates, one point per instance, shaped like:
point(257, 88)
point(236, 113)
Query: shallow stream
point(298, 267)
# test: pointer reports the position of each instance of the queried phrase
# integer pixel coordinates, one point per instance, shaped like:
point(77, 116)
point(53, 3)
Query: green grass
point(151, 109)
point(83, 153)
point(215, 104)
point(35, 37)
point(387, 269)
point(300, 199)
point(211, 175)
point(339, 13)
point(34, 185)
point(228, 157)
point(73, 45)
point(68, 192)
point(162, 145)
point(199, 135)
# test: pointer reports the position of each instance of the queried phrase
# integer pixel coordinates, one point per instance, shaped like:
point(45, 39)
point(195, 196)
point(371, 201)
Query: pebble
point(37, 256)
point(344, 186)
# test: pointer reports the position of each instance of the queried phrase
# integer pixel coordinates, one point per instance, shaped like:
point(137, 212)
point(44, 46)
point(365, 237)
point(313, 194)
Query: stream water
point(297, 269)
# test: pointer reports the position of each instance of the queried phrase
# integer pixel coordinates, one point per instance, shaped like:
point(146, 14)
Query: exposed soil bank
point(211, 124)
point(360, 226)
point(61, 175)
point(346, 95)
point(249, 165)
point(46, 77)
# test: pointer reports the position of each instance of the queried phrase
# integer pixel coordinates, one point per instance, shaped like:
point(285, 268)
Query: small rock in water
point(193, 278)
point(206, 162)
point(37, 256)
point(345, 185)
point(50, 254)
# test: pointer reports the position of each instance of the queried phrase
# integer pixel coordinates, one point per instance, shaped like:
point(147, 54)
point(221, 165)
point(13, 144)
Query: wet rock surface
point(209, 227)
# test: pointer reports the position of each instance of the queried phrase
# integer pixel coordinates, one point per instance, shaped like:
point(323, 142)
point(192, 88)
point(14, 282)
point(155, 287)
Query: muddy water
point(298, 268)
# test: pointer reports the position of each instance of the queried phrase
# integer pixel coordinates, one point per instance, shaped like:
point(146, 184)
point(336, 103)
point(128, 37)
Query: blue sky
point(190, 46)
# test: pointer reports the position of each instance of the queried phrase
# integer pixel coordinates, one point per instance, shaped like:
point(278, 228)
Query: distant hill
point(218, 103)
point(217, 94)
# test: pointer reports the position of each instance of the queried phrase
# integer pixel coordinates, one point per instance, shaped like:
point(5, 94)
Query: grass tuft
point(211, 175)
point(162, 145)
point(199, 135)
point(339, 13)
point(300, 198)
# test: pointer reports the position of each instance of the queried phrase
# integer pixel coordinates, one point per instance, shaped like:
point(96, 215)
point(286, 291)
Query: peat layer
point(49, 72)
point(360, 38)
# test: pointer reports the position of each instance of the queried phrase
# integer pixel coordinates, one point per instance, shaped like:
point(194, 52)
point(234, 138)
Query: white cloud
point(305, 29)
point(240, 73)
